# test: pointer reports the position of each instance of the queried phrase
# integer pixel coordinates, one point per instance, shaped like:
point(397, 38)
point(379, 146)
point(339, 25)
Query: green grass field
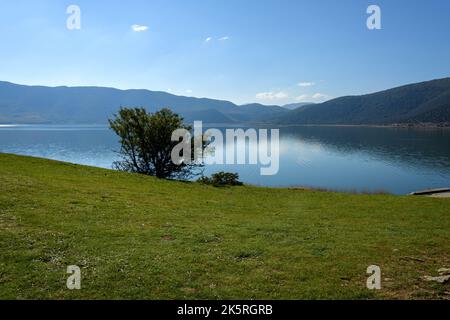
point(136, 237)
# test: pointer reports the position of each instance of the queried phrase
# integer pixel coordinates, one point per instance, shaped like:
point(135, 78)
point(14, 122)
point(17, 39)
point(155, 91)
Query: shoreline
point(311, 188)
point(445, 126)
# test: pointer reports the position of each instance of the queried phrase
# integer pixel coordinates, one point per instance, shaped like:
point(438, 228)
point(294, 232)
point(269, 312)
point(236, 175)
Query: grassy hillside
point(136, 237)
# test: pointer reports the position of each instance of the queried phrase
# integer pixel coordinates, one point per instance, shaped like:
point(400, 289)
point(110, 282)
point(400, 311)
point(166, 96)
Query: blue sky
point(267, 51)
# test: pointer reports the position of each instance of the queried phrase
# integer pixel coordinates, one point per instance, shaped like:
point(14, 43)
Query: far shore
point(272, 125)
point(399, 125)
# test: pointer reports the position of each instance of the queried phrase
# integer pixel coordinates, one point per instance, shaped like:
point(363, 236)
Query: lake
point(395, 160)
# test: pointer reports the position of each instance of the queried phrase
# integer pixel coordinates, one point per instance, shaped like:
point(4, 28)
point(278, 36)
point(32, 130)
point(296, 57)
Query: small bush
point(222, 179)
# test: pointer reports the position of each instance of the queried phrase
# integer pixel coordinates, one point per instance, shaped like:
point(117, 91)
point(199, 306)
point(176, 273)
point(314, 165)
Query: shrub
point(222, 179)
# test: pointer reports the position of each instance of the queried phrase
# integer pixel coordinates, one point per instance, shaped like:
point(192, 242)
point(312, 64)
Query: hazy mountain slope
point(37, 104)
point(293, 106)
point(208, 116)
point(421, 102)
point(256, 112)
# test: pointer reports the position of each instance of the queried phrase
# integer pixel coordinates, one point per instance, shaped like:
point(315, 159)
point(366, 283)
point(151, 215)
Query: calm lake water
point(395, 160)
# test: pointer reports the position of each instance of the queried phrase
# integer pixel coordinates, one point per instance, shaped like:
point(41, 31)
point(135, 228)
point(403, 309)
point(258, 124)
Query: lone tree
point(146, 143)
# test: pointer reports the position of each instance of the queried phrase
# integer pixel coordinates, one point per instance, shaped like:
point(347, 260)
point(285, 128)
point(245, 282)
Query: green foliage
point(146, 143)
point(222, 179)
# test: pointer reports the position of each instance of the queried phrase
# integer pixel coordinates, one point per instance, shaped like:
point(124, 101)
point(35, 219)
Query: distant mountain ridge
point(425, 102)
point(95, 105)
point(293, 106)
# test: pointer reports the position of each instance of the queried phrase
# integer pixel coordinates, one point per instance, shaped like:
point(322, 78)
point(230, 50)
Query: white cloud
point(188, 91)
point(302, 98)
point(272, 95)
point(320, 96)
point(208, 39)
point(306, 84)
point(139, 28)
point(224, 38)
point(317, 97)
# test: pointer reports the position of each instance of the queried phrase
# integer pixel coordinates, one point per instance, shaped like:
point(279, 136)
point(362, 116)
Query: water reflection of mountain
point(429, 148)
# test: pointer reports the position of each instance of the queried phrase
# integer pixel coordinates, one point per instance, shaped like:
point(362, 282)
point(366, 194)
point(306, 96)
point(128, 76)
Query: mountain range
point(425, 102)
point(94, 105)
